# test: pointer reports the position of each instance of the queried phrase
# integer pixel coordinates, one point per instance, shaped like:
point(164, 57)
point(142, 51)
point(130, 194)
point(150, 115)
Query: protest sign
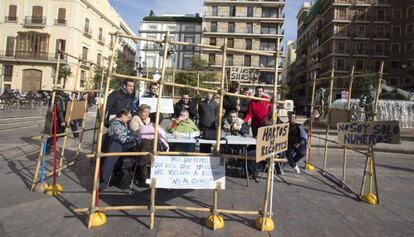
point(368, 133)
point(239, 74)
point(188, 172)
point(271, 140)
point(78, 110)
point(344, 95)
point(289, 105)
point(48, 129)
point(166, 105)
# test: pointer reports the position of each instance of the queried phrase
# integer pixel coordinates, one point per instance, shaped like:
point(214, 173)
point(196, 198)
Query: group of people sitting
point(131, 127)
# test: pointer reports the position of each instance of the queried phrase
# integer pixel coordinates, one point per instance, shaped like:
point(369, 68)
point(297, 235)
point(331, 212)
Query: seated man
point(233, 125)
point(185, 103)
point(120, 140)
point(180, 127)
point(297, 142)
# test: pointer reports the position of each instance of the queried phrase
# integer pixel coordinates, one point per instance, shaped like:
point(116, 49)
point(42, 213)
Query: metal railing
point(61, 21)
point(11, 19)
point(28, 55)
point(35, 20)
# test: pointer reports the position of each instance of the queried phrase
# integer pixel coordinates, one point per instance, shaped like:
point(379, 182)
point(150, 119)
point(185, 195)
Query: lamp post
point(140, 67)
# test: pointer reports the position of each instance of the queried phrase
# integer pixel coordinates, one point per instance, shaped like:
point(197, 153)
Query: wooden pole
point(67, 122)
point(325, 155)
point(309, 153)
point(161, 83)
point(348, 104)
point(82, 131)
point(101, 129)
point(99, 116)
point(152, 207)
point(222, 81)
point(173, 81)
point(265, 213)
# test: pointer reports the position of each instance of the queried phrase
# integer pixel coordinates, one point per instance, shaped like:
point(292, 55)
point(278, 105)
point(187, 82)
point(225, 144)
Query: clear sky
point(134, 10)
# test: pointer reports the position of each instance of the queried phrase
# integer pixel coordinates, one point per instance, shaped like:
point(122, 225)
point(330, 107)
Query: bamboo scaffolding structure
point(348, 104)
point(99, 143)
point(80, 91)
point(65, 138)
point(325, 155)
point(40, 157)
point(346, 146)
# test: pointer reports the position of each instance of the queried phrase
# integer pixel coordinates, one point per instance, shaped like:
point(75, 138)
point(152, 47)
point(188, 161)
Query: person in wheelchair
point(146, 138)
point(119, 139)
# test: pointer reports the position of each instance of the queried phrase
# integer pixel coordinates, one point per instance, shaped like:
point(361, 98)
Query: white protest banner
point(368, 133)
point(166, 105)
point(289, 105)
point(239, 74)
point(188, 172)
point(271, 140)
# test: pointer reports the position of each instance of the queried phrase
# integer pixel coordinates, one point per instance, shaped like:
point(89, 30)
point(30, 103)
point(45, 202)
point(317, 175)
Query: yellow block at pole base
point(54, 190)
point(98, 219)
point(309, 167)
point(41, 187)
point(215, 222)
point(369, 198)
point(268, 223)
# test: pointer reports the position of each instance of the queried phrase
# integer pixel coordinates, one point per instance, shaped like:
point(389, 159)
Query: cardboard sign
point(48, 122)
point(369, 133)
point(78, 111)
point(282, 112)
point(271, 140)
point(338, 116)
point(289, 105)
point(166, 105)
point(239, 74)
point(188, 172)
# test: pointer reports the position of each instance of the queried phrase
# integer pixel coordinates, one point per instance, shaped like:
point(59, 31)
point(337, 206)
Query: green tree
point(64, 74)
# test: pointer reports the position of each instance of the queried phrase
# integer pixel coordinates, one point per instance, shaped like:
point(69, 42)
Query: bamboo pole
point(309, 155)
point(79, 58)
point(173, 81)
point(348, 104)
point(101, 129)
point(152, 207)
point(346, 146)
point(220, 110)
point(265, 213)
point(99, 115)
point(67, 122)
point(325, 155)
point(68, 90)
point(82, 131)
point(36, 174)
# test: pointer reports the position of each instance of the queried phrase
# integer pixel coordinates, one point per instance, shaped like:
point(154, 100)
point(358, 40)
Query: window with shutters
point(61, 20)
point(10, 46)
point(84, 53)
point(12, 17)
point(37, 15)
point(99, 58)
point(8, 72)
point(247, 60)
point(60, 45)
point(100, 36)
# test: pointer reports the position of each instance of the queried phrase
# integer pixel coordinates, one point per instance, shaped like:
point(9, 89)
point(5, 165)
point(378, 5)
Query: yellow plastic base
point(268, 223)
point(54, 190)
point(41, 187)
point(215, 222)
point(98, 219)
point(369, 198)
point(309, 167)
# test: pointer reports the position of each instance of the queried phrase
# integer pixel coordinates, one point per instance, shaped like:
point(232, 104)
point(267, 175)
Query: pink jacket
point(147, 132)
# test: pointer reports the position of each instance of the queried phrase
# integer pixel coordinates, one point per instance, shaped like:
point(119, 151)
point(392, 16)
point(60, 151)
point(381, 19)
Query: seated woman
point(184, 127)
point(148, 131)
point(120, 140)
point(140, 119)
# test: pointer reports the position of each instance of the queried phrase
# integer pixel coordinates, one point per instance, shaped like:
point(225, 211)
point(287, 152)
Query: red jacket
point(258, 111)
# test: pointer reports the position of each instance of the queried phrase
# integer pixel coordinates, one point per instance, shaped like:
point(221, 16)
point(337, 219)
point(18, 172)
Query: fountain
point(400, 110)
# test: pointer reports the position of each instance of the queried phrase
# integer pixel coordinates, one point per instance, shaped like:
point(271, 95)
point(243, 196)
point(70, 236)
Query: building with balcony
point(185, 28)
point(338, 34)
point(248, 25)
point(33, 31)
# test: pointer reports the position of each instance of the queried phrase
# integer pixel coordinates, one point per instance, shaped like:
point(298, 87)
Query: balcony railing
point(28, 55)
point(87, 32)
point(35, 21)
point(61, 21)
point(101, 40)
point(244, 15)
point(10, 19)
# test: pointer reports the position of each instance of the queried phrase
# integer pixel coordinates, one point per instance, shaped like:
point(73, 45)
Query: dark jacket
point(244, 107)
point(207, 112)
point(117, 101)
point(60, 109)
point(297, 134)
point(229, 103)
point(179, 106)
